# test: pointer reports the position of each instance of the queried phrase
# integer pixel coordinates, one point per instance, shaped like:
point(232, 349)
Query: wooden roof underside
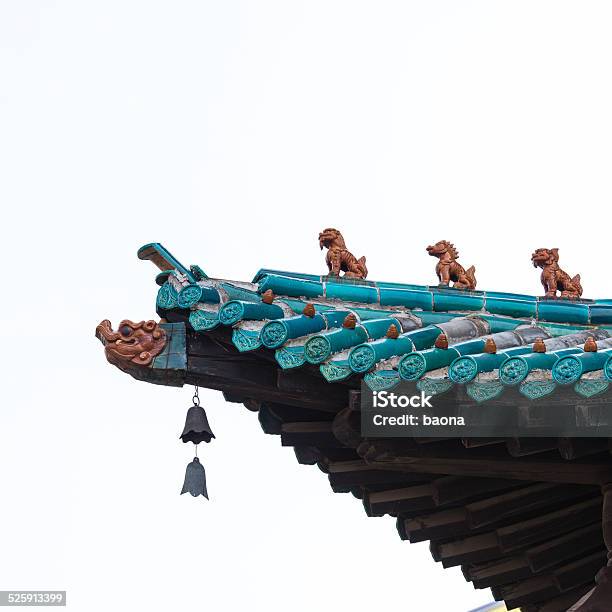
point(521, 516)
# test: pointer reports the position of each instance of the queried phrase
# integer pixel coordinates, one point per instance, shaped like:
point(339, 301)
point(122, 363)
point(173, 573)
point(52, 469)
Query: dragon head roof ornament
point(133, 343)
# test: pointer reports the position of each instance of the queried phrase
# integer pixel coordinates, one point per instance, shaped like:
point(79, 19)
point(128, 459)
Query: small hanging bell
point(195, 479)
point(196, 428)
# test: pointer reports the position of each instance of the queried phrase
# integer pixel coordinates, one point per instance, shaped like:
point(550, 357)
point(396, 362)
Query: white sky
point(233, 132)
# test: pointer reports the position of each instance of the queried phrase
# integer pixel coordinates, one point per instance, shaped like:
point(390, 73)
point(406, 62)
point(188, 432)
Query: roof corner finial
point(441, 341)
point(449, 269)
point(339, 258)
point(590, 346)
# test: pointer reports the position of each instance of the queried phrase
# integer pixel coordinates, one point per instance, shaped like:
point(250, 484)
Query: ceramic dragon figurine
point(553, 277)
point(339, 258)
point(449, 269)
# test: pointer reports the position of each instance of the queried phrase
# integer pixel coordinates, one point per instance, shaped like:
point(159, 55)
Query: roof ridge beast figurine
point(553, 277)
point(449, 269)
point(339, 258)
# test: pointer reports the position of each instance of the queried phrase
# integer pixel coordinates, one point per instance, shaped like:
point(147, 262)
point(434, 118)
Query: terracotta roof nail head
point(309, 310)
point(490, 347)
point(441, 341)
point(590, 346)
point(350, 321)
point(393, 332)
point(267, 297)
point(539, 346)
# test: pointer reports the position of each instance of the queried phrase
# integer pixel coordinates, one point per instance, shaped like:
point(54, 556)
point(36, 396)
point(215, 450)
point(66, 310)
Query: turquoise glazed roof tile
point(468, 320)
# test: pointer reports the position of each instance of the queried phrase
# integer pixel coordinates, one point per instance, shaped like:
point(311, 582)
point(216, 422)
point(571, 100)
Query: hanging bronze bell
point(197, 428)
point(195, 479)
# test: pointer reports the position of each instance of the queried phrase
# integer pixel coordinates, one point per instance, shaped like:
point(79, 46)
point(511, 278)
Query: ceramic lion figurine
point(449, 269)
point(553, 277)
point(339, 258)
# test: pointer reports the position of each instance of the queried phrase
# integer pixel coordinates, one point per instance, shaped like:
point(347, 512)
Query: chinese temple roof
point(483, 340)
point(521, 516)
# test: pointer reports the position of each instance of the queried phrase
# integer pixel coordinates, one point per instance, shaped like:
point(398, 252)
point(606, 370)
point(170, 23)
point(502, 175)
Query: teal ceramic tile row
point(292, 287)
point(424, 337)
point(569, 369)
point(417, 363)
point(457, 300)
point(420, 313)
point(516, 368)
point(440, 299)
point(467, 367)
point(351, 293)
point(511, 307)
point(377, 328)
point(264, 272)
point(413, 341)
point(320, 346)
point(601, 313)
point(559, 311)
point(414, 365)
point(408, 298)
point(237, 310)
point(365, 356)
point(275, 333)
point(506, 344)
point(192, 294)
point(317, 347)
